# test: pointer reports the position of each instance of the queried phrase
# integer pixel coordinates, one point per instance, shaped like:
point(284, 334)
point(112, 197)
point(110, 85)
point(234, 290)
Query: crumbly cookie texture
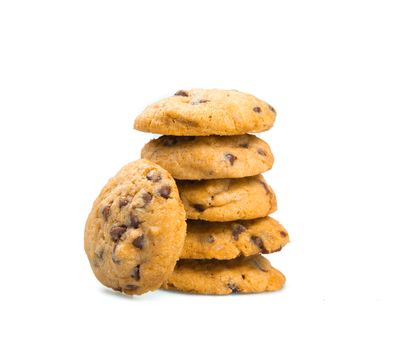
point(229, 240)
point(136, 229)
point(227, 199)
point(201, 112)
point(243, 275)
point(210, 157)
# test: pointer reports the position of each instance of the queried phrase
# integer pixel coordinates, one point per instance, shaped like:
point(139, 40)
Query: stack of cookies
point(217, 165)
point(205, 231)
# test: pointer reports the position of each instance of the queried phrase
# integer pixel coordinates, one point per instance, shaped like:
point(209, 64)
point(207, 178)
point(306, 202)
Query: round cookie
point(229, 240)
point(210, 157)
point(252, 274)
point(136, 229)
point(201, 112)
point(227, 199)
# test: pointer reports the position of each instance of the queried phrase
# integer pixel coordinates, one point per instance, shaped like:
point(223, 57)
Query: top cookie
point(201, 112)
point(136, 229)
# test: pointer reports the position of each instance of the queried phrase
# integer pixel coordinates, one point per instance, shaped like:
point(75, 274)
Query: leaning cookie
point(229, 240)
point(136, 229)
point(227, 199)
point(200, 112)
point(253, 274)
point(210, 157)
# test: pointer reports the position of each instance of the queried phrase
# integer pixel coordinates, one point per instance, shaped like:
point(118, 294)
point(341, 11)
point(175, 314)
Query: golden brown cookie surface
point(203, 112)
point(210, 157)
point(253, 274)
point(135, 231)
point(229, 240)
point(227, 199)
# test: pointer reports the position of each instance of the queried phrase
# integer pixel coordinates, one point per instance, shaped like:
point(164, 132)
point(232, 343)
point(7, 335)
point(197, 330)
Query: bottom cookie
point(252, 274)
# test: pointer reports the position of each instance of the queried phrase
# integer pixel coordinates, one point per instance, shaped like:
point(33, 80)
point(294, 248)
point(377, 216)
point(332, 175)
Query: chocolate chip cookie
point(200, 112)
point(242, 275)
point(135, 231)
point(227, 199)
point(229, 240)
point(210, 157)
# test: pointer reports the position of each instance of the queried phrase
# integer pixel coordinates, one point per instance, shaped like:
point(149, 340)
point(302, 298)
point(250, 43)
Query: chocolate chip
point(115, 258)
point(181, 93)
point(117, 231)
point(233, 287)
point(197, 102)
point(135, 274)
point(98, 257)
point(283, 234)
point(154, 176)
point(123, 202)
point(134, 220)
point(199, 207)
point(261, 152)
point(272, 109)
point(230, 157)
point(106, 212)
point(259, 243)
point(237, 229)
point(100, 254)
point(210, 239)
point(168, 141)
point(131, 287)
point(147, 197)
point(139, 241)
point(244, 145)
point(165, 191)
point(266, 187)
point(118, 289)
point(257, 109)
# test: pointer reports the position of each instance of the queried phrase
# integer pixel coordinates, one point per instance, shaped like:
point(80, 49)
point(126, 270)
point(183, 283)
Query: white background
point(73, 76)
